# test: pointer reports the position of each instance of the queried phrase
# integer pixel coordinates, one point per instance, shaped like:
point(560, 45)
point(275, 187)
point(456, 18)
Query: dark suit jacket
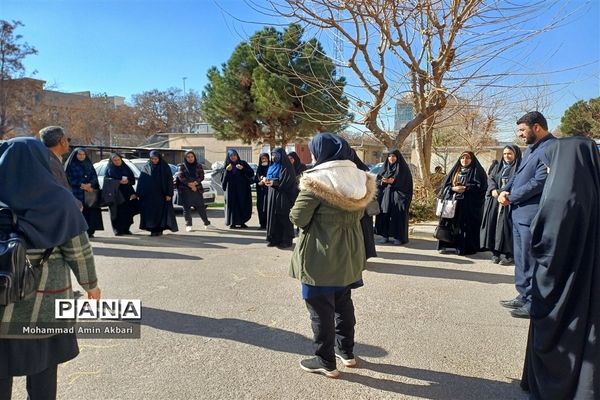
point(528, 183)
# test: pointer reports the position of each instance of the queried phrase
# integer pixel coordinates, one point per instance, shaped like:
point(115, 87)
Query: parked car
point(138, 163)
point(376, 169)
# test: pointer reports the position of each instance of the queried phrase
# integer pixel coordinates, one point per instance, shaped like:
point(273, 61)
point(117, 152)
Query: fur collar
point(340, 184)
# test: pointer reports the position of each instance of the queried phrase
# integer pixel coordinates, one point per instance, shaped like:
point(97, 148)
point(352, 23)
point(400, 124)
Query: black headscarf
point(329, 147)
point(160, 173)
point(86, 164)
point(298, 166)
point(115, 172)
point(47, 213)
point(563, 347)
point(261, 170)
point(191, 168)
point(474, 173)
point(400, 172)
point(508, 170)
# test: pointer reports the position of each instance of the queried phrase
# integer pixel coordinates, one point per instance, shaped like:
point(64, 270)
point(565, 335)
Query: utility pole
point(187, 128)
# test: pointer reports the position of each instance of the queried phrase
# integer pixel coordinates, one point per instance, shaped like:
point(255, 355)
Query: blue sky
point(124, 47)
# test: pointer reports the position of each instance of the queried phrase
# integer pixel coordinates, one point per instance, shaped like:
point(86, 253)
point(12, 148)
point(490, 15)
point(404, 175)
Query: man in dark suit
point(523, 193)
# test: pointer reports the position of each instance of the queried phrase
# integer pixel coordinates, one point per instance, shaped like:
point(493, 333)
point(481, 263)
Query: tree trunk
point(423, 145)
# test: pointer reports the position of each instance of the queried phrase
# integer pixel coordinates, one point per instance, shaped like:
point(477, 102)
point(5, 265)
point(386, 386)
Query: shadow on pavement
point(433, 272)
point(421, 257)
point(199, 240)
point(128, 253)
point(437, 385)
point(239, 330)
point(416, 244)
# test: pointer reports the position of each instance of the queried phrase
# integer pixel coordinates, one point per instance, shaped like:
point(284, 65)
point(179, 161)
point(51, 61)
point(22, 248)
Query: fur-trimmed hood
point(340, 184)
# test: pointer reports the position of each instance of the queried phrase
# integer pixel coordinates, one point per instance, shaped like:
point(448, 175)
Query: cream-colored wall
point(214, 150)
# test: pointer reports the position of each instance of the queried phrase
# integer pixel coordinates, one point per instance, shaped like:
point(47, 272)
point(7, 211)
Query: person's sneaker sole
point(347, 363)
point(330, 374)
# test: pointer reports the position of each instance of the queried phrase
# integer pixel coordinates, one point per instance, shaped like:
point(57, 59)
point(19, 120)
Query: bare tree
point(430, 49)
point(12, 53)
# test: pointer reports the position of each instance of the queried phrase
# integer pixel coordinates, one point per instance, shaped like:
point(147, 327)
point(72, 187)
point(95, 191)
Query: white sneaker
point(189, 229)
point(209, 227)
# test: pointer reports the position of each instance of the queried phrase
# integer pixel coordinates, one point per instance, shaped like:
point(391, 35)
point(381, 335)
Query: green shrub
point(423, 204)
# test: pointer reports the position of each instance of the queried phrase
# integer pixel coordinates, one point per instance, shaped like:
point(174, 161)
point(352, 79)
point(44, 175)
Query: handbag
point(446, 208)
point(17, 275)
point(444, 233)
point(90, 199)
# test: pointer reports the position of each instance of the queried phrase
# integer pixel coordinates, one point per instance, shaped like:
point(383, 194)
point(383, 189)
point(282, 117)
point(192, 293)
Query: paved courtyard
point(222, 320)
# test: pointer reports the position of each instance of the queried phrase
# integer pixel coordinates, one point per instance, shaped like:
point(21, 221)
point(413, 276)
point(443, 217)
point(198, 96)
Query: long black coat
point(496, 225)
point(154, 184)
point(123, 210)
point(563, 349)
point(394, 199)
point(238, 194)
point(469, 208)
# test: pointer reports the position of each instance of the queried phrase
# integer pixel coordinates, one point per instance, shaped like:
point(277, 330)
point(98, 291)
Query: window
point(200, 154)
point(244, 152)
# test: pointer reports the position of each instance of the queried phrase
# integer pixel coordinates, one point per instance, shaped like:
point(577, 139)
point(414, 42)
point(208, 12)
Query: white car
point(137, 164)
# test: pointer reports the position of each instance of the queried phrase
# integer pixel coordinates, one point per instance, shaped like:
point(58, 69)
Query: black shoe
point(284, 246)
point(514, 303)
point(347, 359)
point(495, 259)
point(272, 244)
point(243, 226)
point(232, 227)
point(128, 233)
point(521, 312)
point(156, 234)
point(119, 234)
point(315, 366)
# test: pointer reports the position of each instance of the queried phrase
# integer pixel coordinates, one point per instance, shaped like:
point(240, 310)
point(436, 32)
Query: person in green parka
point(330, 254)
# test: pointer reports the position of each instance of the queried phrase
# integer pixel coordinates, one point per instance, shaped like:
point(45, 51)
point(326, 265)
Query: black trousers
point(40, 386)
point(187, 215)
point(332, 319)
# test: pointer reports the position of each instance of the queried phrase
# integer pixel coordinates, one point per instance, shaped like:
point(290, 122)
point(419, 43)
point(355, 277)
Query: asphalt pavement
point(222, 320)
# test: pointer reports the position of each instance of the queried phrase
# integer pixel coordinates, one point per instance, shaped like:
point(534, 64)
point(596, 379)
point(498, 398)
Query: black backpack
point(17, 277)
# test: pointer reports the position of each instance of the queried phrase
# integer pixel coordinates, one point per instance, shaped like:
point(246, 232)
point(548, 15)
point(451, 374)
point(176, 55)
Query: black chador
point(236, 181)
point(496, 226)
point(154, 186)
point(563, 349)
point(394, 199)
point(466, 223)
point(283, 191)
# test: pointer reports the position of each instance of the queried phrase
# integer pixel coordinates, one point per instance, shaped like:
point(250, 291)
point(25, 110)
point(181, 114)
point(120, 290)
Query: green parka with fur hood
point(330, 250)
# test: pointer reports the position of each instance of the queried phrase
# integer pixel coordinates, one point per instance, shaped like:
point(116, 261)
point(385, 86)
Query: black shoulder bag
point(17, 278)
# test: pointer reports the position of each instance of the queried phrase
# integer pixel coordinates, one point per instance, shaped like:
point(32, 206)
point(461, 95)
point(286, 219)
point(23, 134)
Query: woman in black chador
point(119, 176)
point(394, 194)
point(261, 189)
point(299, 168)
point(283, 190)
point(236, 181)
point(563, 349)
point(83, 178)
point(155, 190)
point(496, 227)
point(188, 181)
point(467, 182)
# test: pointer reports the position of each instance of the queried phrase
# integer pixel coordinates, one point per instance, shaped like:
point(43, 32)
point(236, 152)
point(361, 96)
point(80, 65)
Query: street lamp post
point(187, 128)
